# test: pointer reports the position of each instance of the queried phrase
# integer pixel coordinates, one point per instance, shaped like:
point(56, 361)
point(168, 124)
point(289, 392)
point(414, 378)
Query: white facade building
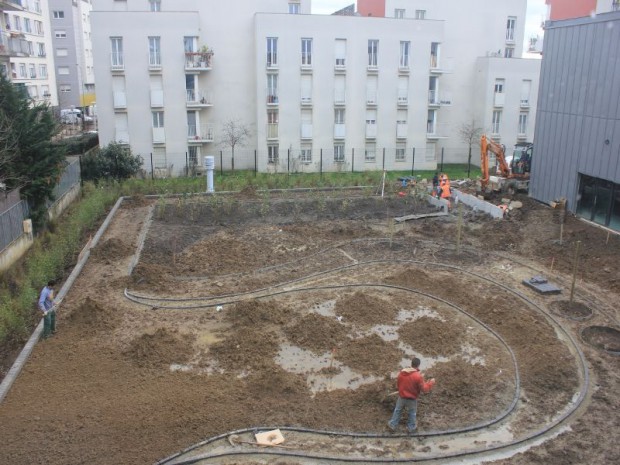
point(26, 29)
point(316, 92)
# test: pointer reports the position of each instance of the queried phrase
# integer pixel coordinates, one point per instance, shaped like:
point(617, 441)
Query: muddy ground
point(323, 299)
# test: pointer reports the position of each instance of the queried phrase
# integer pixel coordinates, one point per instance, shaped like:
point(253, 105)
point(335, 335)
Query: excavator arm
point(486, 146)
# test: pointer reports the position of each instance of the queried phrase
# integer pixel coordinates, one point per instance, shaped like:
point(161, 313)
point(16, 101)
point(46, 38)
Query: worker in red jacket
point(410, 385)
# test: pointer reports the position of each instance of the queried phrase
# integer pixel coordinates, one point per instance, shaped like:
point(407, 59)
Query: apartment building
point(327, 92)
point(72, 49)
point(26, 40)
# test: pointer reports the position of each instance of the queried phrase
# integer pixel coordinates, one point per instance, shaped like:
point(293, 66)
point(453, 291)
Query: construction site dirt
point(296, 311)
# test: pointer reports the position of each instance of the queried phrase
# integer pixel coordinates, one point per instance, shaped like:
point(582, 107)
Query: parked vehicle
point(74, 116)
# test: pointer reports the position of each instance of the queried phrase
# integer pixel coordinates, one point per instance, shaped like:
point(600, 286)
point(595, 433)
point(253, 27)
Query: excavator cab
point(521, 162)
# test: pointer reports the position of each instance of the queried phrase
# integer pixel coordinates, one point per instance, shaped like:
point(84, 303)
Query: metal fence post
point(221, 163)
point(383, 168)
point(288, 161)
point(255, 162)
point(152, 170)
point(353, 160)
point(412, 160)
point(321, 168)
point(441, 167)
point(186, 165)
point(81, 176)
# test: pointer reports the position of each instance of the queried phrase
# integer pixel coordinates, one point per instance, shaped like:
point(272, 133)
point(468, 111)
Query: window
point(305, 155)
point(294, 8)
point(33, 92)
point(272, 51)
point(522, 123)
point(63, 70)
point(58, 14)
point(27, 26)
point(510, 28)
point(64, 88)
point(400, 153)
point(434, 54)
point(272, 116)
point(599, 201)
point(62, 52)
point(30, 46)
point(339, 116)
point(155, 5)
point(272, 88)
point(60, 34)
point(41, 47)
point(420, 14)
point(158, 119)
point(306, 52)
point(373, 48)
point(497, 118)
point(117, 51)
point(339, 153)
point(13, 71)
point(33, 71)
point(499, 86)
point(43, 71)
point(154, 51)
point(340, 51)
point(22, 70)
point(38, 27)
point(272, 154)
point(190, 44)
point(18, 23)
point(404, 54)
point(526, 86)
point(370, 152)
point(509, 52)
point(398, 13)
point(45, 90)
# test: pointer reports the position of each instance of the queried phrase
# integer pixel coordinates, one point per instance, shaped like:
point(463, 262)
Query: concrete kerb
point(23, 356)
point(477, 204)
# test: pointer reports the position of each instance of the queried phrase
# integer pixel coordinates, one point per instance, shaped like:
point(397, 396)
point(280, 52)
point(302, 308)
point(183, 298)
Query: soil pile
point(112, 249)
point(365, 310)
point(317, 333)
point(356, 354)
point(162, 348)
point(93, 317)
point(253, 313)
point(432, 337)
point(246, 349)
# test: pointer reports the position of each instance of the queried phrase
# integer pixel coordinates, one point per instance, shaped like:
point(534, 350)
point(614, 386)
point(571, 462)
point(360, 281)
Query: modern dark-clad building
point(577, 136)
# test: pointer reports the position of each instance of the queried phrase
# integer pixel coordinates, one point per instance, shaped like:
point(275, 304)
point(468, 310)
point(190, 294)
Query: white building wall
point(237, 79)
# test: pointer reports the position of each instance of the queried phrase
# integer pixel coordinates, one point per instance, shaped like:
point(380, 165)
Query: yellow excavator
point(510, 177)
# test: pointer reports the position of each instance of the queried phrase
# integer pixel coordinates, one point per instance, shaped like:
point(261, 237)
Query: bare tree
point(234, 133)
point(470, 134)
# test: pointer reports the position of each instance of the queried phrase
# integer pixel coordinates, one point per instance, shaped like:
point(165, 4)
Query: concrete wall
point(578, 117)
point(63, 203)
point(15, 251)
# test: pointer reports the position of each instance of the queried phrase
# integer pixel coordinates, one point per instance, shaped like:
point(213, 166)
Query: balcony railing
point(499, 99)
point(122, 136)
point(433, 97)
point(154, 61)
point(272, 98)
point(339, 131)
point(159, 136)
point(306, 98)
point(117, 61)
point(525, 103)
point(306, 130)
point(403, 97)
point(198, 61)
point(195, 98)
point(272, 130)
point(11, 5)
point(200, 134)
point(371, 97)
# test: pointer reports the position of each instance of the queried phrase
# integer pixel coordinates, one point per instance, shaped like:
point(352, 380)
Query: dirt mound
point(410, 277)
point(246, 348)
point(431, 336)
point(151, 276)
point(161, 348)
point(366, 310)
point(112, 249)
point(317, 333)
point(91, 316)
point(257, 312)
point(278, 382)
point(370, 355)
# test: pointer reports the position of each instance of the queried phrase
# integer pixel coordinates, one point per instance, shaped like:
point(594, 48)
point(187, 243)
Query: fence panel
point(11, 223)
point(70, 177)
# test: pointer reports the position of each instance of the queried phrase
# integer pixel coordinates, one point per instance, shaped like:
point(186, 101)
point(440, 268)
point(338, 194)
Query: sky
point(536, 12)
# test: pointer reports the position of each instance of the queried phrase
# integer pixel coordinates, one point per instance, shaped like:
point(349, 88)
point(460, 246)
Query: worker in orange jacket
point(410, 385)
point(445, 189)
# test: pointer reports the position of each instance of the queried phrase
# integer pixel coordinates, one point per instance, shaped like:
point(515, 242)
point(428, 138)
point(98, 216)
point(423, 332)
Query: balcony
point(11, 5)
point(340, 67)
point(306, 98)
point(525, 103)
point(154, 62)
point(433, 98)
point(159, 136)
point(442, 66)
point(371, 131)
point(340, 97)
point(196, 99)
point(522, 135)
point(272, 131)
point(499, 99)
point(198, 61)
point(306, 130)
point(403, 97)
point(401, 130)
point(272, 99)
point(117, 62)
point(200, 134)
point(157, 98)
point(371, 98)
point(339, 131)
point(435, 130)
point(120, 100)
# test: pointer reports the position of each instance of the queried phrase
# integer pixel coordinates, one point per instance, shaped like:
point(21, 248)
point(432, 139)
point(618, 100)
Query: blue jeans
point(412, 406)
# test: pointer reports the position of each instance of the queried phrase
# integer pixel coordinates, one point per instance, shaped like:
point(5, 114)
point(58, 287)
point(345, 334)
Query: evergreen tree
point(35, 163)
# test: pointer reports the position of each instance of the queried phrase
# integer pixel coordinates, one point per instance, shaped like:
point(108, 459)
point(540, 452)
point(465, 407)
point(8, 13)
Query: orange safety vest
point(445, 190)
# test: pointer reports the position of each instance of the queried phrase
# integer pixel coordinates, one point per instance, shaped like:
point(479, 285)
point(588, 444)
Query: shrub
point(111, 162)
